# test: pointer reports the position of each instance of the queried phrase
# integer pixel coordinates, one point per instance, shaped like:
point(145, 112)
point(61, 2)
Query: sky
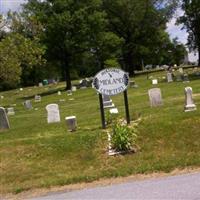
point(172, 29)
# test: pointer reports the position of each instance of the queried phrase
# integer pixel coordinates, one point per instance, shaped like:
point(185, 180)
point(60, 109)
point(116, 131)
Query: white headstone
point(113, 111)
point(71, 123)
point(73, 88)
point(155, 97)
point(21, 89)
point(40, 84)
point(189, 103)
point(59, 93)
point(10, 111)
point(37, 98)
point(180, 70)
point(53, 114)
point(155, 81)
point(4, 123)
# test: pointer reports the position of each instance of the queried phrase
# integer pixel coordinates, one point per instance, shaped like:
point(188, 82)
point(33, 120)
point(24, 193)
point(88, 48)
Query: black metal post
point(126, 107)
point(102, 111)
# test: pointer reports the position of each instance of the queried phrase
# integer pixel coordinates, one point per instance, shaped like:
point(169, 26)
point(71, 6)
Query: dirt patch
point(101, 182)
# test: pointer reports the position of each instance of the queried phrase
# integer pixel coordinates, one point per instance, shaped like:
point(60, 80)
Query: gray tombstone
point(189, 103)
point(155, 97)
point(37, 98)
point(28, 104)
point(71, 123)
point(107, 102)
point(53, 114)
point(4, 123)
point(169, 77)
point(10, 111)
point(186, 78)
point(69, 92)
point(179, 77)
point(133, 84)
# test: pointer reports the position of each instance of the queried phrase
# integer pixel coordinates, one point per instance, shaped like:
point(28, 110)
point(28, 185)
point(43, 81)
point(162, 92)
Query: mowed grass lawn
point(35, 154)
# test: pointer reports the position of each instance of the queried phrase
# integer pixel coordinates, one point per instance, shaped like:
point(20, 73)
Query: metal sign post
point(102, 111)
point(126, 107)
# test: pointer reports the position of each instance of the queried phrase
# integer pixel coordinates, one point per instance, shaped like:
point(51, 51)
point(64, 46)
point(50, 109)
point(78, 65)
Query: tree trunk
point(67, 75)
point(199, 56)
point(128, 60)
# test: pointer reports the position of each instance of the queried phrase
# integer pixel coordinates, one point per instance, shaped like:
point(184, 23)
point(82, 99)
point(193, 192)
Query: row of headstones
point(155, 98)
point(53, 116)
point(28, 105)
point(183, 77)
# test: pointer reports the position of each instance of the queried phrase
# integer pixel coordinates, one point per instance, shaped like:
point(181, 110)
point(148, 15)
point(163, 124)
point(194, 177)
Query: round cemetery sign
point(111, 81)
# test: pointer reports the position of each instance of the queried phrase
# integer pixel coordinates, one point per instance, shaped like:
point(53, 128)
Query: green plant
point(123, 137)
point(111, 118)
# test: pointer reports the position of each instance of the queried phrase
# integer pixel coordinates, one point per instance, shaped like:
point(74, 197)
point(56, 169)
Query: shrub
point(123, 137)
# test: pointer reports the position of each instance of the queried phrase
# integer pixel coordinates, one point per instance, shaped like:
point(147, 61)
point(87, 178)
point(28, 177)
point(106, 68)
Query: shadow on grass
point(45, 93)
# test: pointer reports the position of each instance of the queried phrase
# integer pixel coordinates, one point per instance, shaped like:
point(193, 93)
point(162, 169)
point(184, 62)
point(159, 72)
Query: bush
point(123, 137)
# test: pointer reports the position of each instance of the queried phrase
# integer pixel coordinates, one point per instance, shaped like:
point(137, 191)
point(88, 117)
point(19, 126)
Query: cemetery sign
point(111, 81)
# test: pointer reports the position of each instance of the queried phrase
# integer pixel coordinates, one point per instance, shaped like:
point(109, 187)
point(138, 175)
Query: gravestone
point(113, 111)
point(186, 78)
point(155, 97)
point(4, 123)
point(21, 89)
point(180, 70)
point(69, 92)
point(73, 88)
point(169, 77)
point(28, 104)
point(37, 98)
point(40, 84)
point(53, 114)
point(107, 102)
point(178, 77)
point(189, 103)
point(71, 123)
point(133, 84)
point(154, 81)
point(59, 93)
point(10, 111)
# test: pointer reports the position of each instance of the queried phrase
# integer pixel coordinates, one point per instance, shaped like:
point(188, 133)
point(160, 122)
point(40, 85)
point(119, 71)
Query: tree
point(139, 23)
point(17, 56)
point(67, 27)
point(191, 21)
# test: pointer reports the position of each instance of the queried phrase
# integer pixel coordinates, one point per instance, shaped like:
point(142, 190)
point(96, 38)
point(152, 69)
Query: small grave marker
point(113, 111)
point(28, 104)
point(53, 114)
point(10, 111)
point(155, 97)
point(71, 123)
point(169, 77)
point(189, 103)
point(107, 102)
point(4, 123)
point(37, 98)
point(154, 81)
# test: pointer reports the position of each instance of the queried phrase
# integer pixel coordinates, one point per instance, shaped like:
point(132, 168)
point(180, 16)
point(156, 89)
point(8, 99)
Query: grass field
point(35, 154)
